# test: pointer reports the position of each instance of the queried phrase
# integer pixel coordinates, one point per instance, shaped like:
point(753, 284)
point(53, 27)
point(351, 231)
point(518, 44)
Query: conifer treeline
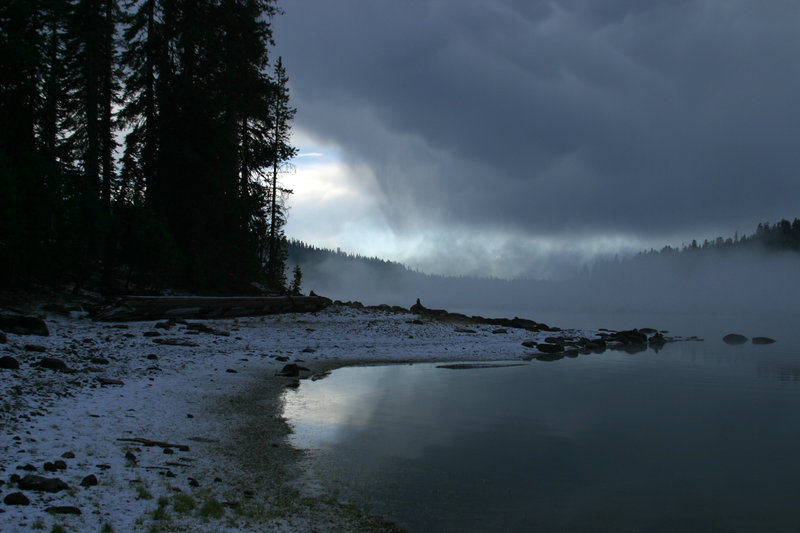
point(781, 236)
point(143, 138)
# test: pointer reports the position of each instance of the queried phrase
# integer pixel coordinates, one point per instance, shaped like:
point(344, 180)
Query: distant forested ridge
point(755, 271)
point(780, 236)
point(142, 141)
point(314, 259)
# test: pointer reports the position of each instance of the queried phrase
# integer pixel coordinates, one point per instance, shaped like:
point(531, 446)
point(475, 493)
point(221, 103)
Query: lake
point(700, 436)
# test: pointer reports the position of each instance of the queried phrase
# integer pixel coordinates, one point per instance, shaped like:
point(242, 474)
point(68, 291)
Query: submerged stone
point(763, 340)
point(734, 339)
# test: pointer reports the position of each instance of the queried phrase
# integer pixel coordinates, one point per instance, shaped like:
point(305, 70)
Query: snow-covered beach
point(178, 423)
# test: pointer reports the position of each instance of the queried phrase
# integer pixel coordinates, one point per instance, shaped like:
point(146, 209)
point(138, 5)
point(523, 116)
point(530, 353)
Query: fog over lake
point(739, 282)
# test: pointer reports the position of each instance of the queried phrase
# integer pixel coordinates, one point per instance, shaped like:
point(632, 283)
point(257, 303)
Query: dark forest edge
point(141, 146)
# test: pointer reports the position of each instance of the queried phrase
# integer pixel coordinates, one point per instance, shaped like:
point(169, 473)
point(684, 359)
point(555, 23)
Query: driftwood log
point(132, 308)
point(148, 442)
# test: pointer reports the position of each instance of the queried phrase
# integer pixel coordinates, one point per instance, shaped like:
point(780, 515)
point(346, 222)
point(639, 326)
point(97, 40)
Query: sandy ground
point(221, 459)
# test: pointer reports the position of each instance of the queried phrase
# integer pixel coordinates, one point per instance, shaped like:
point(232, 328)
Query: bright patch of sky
point(337, 204)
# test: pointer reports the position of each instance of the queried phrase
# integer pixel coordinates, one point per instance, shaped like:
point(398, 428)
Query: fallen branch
point(161, 444)
point(132, 308)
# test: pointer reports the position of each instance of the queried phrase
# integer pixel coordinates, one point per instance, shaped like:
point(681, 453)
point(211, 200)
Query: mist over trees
point(142, 141)
point(747, 273)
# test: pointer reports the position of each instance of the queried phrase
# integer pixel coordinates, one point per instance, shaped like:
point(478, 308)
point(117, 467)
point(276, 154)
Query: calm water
point(698, 437)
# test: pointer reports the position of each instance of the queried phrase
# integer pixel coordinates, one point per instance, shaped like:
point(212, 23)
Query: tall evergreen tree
point(206, 134)
point(19, 60)
point(91, 49)
point(281, 151)
point(31, 103)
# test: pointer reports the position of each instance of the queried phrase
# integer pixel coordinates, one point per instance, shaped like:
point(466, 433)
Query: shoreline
point(206, 397)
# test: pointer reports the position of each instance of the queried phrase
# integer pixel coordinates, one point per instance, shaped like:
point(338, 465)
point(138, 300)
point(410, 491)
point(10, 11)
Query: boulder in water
point(762, 340)
point(734, 339)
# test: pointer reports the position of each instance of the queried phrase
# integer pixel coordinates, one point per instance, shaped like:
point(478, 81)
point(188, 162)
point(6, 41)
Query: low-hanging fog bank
point(747, 281)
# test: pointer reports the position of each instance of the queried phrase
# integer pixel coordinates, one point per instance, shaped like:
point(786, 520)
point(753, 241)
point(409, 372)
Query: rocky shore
point(174, 424)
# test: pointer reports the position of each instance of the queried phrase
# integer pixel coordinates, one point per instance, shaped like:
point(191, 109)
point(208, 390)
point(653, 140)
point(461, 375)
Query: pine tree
point(92, 85)
point(281, 151)
point(31, 160)
point(297, 280)
point(144, 62)
point(197, 198)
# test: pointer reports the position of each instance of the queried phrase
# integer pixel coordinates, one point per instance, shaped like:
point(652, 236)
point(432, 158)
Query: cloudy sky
point(523, 137)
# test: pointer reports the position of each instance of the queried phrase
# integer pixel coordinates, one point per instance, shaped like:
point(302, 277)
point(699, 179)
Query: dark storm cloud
point(651, 118)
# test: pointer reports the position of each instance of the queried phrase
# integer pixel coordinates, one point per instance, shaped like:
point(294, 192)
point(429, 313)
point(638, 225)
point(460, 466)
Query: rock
point(174, 342)
point(282, 358)
point(34, 348)
point(231, 371)
point(50, 467)
point(734, 339)
point(631, 336)
point(292, 370)
point(549, 348)
point(648, 331)
point(89, 481)
point(472, 366)
point(762, 340)
point(68, 455)
point(109, 381)
point(420, 309)
point(16, 498)
point(592, 345)
point(130, 457)
point(60, 464)
point(308, 349)
point(657, 341)
point(42, 484)
point(152, 357)
point(529, 344)
point(59, 309)
point(198, 326)
point(53, 363)
point(63, 509)
point(9, 363)
point(499, 331)
point(634, 348)
point(465, 330)
point(99, 361)
point(151, 334)
point(193, 482)
point(28, 468)
point(23, 325)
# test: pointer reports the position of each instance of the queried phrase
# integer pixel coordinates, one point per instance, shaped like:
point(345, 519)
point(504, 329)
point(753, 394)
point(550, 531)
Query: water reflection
point(695, 438)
